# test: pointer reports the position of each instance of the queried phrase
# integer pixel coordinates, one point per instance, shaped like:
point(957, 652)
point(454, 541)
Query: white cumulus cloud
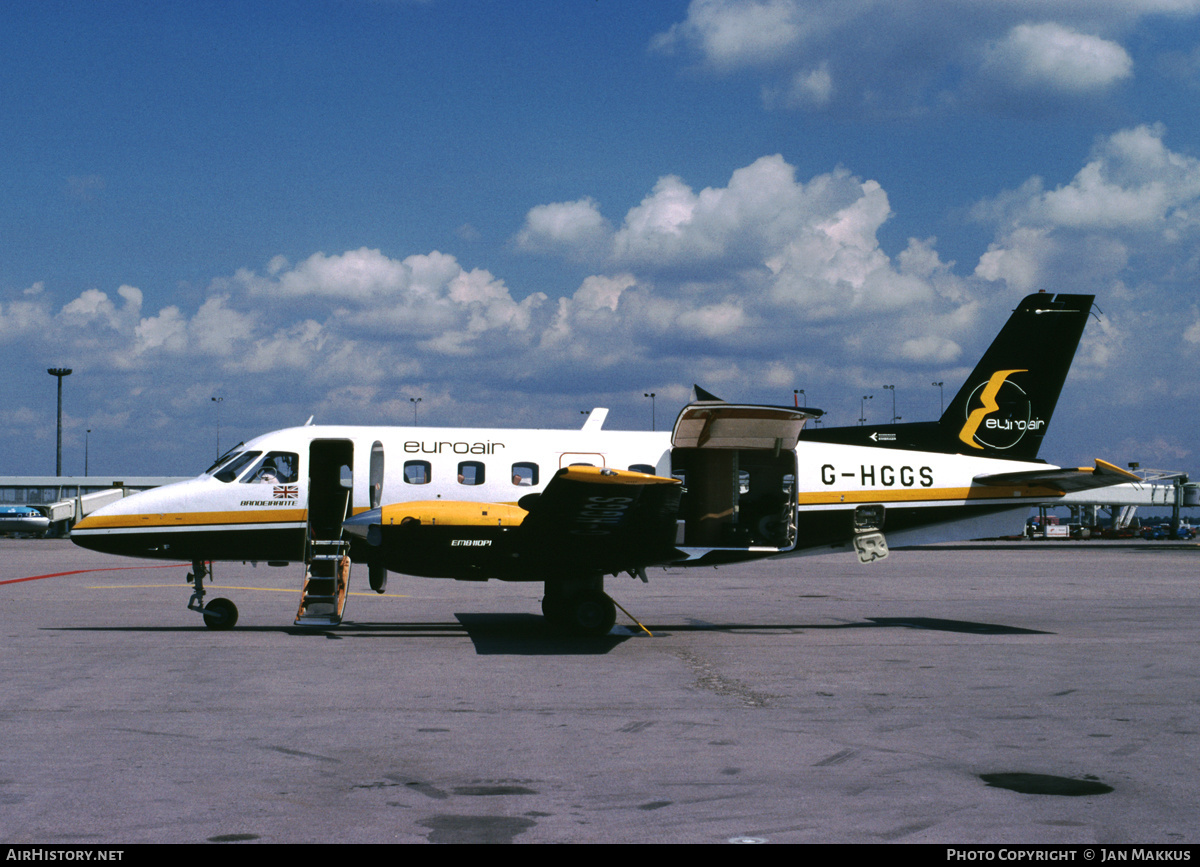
point(1051, 55)
point(913, 56)
point(564, 225)
point(1133, 194)
point(732, 33)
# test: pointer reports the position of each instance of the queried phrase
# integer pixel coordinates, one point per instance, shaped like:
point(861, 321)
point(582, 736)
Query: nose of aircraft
point(95, 533)
point(129, 525)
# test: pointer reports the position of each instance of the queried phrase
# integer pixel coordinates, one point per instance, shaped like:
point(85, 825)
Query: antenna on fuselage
point(309, 422)
point(595, 419)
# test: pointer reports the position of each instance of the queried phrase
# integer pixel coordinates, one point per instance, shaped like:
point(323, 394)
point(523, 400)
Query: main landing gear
point(579, 607)
point(218, 614)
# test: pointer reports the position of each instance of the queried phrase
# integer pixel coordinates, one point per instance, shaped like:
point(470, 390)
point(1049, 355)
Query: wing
point(587, 520)
point(601, 520)
point(1064, 480)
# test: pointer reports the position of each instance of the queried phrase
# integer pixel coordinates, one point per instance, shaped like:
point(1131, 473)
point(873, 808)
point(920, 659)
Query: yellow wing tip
point(1105, 466)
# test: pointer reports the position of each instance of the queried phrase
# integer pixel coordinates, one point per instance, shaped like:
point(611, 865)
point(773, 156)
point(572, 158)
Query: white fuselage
point(243, 510)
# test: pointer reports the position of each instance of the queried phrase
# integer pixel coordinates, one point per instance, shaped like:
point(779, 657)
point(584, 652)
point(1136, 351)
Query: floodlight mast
point(60, 372)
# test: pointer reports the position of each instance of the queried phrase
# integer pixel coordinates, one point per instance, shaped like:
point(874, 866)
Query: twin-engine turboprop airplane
point(731, 482)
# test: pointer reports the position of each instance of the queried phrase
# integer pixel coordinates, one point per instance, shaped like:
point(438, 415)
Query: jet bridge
point(1160, 489)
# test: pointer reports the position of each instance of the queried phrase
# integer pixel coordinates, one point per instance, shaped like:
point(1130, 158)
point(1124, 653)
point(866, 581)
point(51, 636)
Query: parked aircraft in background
point(731, 482)
point(23, 519)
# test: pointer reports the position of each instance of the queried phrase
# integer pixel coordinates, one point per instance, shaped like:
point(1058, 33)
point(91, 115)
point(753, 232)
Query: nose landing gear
point(218, 614)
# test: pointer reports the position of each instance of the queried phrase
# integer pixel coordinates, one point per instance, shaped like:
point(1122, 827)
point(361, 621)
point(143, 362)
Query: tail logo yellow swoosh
point(988, 398)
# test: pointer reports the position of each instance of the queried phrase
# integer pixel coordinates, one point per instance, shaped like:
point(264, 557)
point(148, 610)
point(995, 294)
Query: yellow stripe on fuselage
point(190, 519)
point(927, 495)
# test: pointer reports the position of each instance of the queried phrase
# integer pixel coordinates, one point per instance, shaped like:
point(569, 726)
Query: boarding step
point(326, 580)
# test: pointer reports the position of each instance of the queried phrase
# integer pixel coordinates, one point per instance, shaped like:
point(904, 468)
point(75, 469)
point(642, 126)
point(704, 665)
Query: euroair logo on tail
point(1003, 414)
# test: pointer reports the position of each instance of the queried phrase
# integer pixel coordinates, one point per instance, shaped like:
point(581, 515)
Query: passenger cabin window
point(416, 472)
point(525, 474)
point(234, 468)
point(274, 468)
point(470, 473)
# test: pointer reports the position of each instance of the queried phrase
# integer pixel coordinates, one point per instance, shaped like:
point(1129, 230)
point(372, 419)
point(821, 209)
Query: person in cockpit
point(268, 473)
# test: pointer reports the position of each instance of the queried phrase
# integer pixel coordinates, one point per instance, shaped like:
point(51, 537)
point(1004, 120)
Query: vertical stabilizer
point(1004, 407)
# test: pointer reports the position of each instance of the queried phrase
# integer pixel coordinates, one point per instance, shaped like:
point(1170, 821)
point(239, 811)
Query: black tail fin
point(1004, 407)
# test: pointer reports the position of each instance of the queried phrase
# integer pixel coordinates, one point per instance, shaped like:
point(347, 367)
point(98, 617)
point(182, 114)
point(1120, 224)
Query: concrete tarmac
point(806, 700)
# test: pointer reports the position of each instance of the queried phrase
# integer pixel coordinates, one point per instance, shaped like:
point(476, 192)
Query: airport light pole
point(650, 394)
point(414, 401)
point(892, 389)
point(60, 372)
point(862, 408)
point(218, 401)
point(86, 436)
point(941, 399)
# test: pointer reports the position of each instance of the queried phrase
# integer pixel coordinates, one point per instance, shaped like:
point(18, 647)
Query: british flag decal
point(286, 492)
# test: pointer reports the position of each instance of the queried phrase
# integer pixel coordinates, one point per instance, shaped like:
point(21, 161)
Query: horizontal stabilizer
point(1064, 480)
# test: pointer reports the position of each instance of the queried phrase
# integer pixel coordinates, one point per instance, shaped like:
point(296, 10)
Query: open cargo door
point(738, 466)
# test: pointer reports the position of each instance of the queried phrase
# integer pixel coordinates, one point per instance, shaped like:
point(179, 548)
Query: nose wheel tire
point(220, 614)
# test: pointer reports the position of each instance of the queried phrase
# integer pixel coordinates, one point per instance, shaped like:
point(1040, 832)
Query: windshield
point(230, 471)
point(275, 468)
point(223, 458)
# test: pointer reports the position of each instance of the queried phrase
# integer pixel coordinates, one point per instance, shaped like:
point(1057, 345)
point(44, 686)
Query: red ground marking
point(82, 571)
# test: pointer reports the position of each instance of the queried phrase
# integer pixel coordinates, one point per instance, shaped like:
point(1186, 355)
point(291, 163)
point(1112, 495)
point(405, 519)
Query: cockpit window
point(230, 471)
point(274, 468)
point(225, 458)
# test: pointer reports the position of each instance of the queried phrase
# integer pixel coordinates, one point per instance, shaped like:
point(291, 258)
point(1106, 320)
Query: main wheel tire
point(220, 614)
point(591, 613)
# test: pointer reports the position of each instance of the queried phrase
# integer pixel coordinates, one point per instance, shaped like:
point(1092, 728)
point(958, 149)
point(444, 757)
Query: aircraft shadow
point(935, 624)
point(492, 634)
point(528, 635)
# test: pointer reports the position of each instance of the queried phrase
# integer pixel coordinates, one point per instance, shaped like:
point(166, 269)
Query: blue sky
point(519, 210)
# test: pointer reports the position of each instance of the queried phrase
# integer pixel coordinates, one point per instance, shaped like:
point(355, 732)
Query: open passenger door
point(326, 551)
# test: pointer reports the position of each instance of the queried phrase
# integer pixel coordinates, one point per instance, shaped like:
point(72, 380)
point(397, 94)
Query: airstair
point(326, 580)
point(326, 551)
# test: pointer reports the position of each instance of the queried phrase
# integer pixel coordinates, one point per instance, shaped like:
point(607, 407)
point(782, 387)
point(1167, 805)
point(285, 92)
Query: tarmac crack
point(710, 679)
